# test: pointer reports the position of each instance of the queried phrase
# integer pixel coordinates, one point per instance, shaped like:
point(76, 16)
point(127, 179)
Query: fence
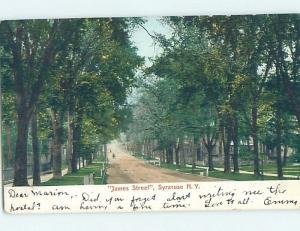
point(8, 173)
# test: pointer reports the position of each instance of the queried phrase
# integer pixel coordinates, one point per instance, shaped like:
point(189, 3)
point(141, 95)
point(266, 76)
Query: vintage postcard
point(150, 113)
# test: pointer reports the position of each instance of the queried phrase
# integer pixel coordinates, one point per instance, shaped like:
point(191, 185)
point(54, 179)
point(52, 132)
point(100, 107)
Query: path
point(125, 168)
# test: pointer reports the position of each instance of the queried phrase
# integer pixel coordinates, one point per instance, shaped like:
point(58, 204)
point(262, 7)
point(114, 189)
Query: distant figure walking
point(113, 155)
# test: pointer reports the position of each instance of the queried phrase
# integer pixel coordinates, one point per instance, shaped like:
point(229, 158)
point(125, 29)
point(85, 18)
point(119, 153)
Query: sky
point(143, 41)
point(146, 45)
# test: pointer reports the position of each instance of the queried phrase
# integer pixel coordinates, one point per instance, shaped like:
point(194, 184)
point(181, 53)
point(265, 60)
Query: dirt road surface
point(125, 168)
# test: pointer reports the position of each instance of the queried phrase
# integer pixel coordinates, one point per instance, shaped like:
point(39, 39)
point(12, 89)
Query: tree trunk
point(199, 154)
point(194, 153)
point(27, 92)
point(70, 141)
point(220, 146)
point(76, 144)
point(177, 150)
point(147, 147)
point(105, 152)
point(83, 159)
point(197, 146)
point(152, 145)
point(209, 145)
point(221, 133)
point(278, 123)
point(285, 150)
point(227, 141)
point(278, 146)
point(255, 139)
point(89, 159)
point(20, 168)
point(35, 150)
point(51, 151)
point(57, 136)
point(79, 163)
point(181, 153)
point(170, 155)
point(182, 157)
point(210, 158)
point(162, 156)
point(235, 145)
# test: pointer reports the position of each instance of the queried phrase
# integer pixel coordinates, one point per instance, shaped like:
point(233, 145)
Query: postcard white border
point(275, 220)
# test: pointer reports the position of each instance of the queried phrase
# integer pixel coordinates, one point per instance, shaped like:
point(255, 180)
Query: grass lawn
point(289, 169)
point(172, 166)
point(285, 172)
point(220, 174)
point(240, 176)
point(77, 178)
point(183, 169)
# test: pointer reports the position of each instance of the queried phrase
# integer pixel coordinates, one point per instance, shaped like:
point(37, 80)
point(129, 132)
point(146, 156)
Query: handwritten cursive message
point(154, 197)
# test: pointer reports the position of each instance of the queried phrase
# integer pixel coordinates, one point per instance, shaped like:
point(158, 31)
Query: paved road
point(125, 168)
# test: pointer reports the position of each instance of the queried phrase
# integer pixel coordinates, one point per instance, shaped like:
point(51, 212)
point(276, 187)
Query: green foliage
point(234, 74)
point(214, 72)
point(84, 68)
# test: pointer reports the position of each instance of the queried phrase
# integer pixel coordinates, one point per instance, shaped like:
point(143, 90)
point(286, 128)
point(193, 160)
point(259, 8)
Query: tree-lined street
point(223, 93)
point(125, 168)
point(64, 89)
point(220, 93)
